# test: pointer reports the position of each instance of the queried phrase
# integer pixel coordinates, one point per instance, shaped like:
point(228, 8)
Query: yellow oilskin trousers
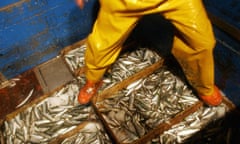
point(192, 47)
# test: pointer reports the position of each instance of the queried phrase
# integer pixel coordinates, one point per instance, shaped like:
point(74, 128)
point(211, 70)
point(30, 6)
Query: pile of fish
point(130, 113)
point(126, 65)
point(92, 133)
point(145, 104)
point(75, 58)
point(193, 124)
point(54, 116)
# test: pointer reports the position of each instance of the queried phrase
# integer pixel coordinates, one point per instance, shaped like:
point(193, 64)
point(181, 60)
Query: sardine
point(26, 99)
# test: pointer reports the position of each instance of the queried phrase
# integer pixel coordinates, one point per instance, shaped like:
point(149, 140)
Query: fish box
point(53, 118)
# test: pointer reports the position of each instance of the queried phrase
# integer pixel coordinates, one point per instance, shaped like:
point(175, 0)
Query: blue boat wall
point(225, 16)
point(35, 31)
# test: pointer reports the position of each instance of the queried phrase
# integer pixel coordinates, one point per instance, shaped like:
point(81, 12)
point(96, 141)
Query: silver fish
point(26, 99)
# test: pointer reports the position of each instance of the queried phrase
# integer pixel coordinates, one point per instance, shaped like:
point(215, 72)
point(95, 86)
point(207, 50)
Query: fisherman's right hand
point(80, 3)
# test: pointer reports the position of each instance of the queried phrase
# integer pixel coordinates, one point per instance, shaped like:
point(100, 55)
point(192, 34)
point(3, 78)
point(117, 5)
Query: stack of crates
point(140, 101)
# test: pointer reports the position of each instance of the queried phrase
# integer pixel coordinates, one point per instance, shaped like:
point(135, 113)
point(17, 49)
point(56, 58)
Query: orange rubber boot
point(88, 91)
point(213, 100)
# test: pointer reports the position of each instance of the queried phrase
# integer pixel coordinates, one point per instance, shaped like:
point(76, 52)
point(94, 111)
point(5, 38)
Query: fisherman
point(193, 43)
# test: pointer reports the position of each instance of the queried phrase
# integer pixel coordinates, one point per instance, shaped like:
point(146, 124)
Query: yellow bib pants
point(193, 47)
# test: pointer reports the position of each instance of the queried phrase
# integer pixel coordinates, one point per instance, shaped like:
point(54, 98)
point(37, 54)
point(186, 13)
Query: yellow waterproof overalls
point(193, 48)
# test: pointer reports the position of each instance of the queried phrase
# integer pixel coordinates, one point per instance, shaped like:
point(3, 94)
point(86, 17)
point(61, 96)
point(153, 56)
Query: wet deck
point(14, 95)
